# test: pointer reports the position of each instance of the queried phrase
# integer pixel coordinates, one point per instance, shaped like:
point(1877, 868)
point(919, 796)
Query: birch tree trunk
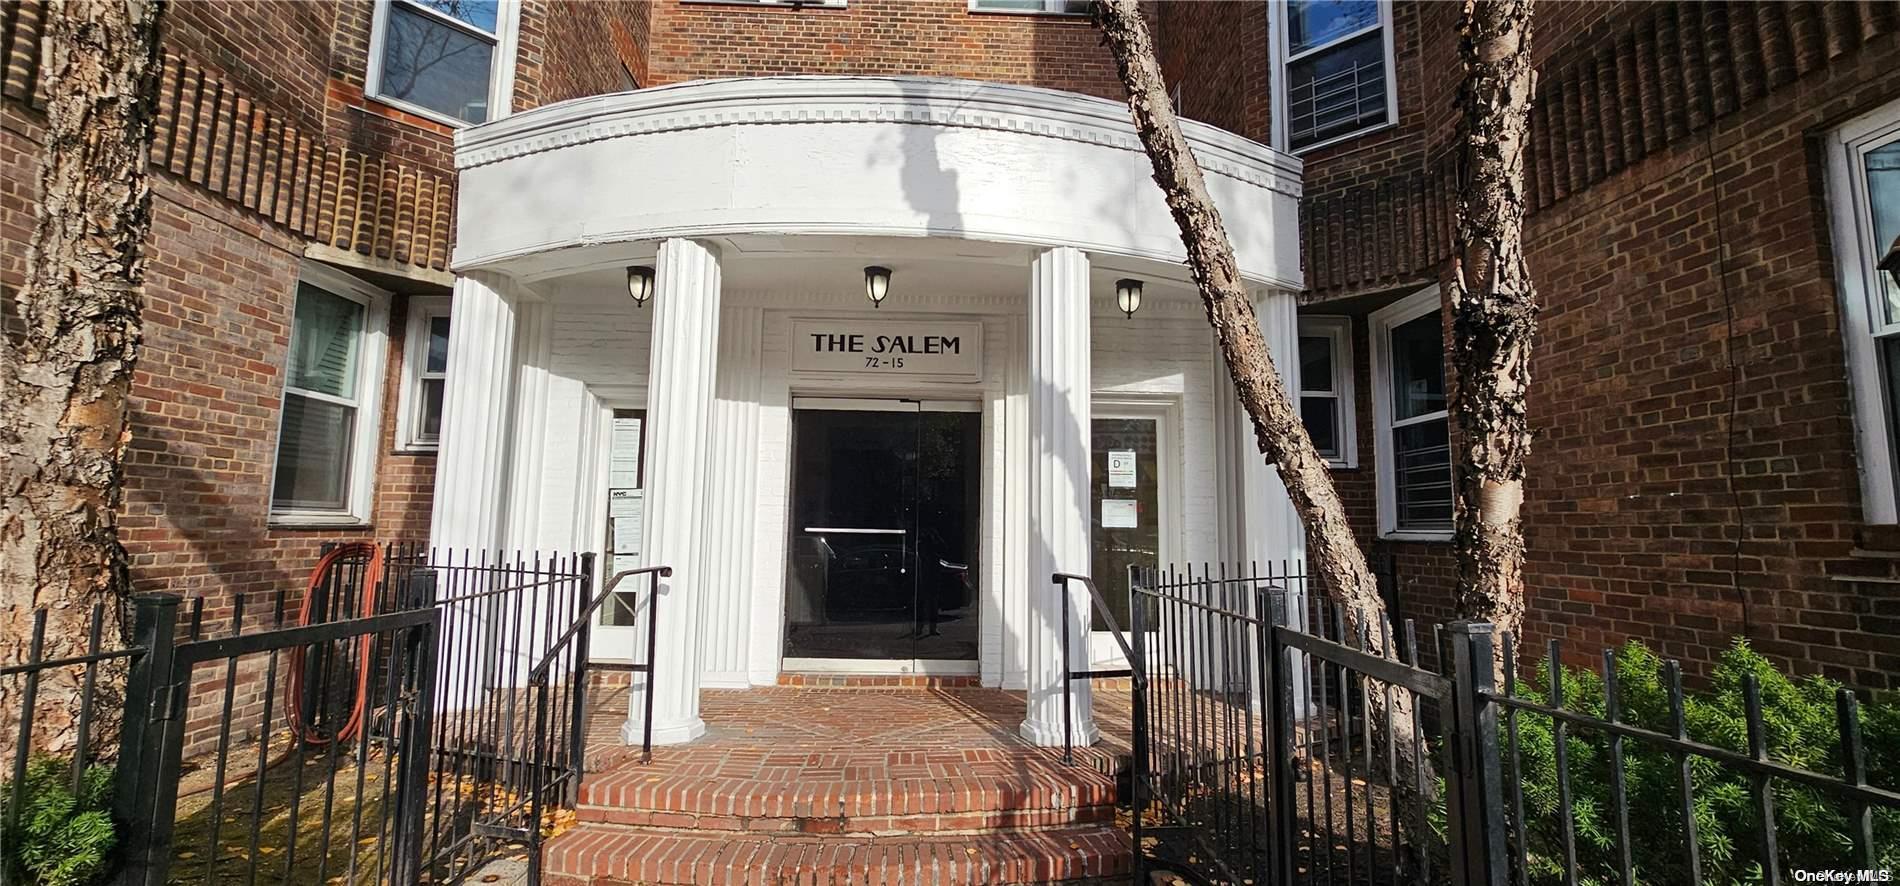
point(1494, 312)
point(66, 377)
point(1333, 550)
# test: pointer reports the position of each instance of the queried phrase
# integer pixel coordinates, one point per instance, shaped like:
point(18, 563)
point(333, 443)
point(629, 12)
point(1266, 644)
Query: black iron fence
point(406, 718)
point(1282, 738)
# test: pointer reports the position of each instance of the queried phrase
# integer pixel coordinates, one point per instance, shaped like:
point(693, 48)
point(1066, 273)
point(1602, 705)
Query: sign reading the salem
point(942, 350)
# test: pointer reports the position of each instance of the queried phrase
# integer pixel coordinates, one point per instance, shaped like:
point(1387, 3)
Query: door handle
point(848, 530)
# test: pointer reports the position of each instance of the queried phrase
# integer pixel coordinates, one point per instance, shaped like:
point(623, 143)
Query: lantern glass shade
point(1128, 296)
point(640, 283)
point(877, 284)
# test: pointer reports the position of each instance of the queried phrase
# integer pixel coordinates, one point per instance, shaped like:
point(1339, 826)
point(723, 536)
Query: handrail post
point(653, 638)
point(154, 629)
point(577, 729)
point(1068, 720)
point(1475, 796)
point(1138, 737)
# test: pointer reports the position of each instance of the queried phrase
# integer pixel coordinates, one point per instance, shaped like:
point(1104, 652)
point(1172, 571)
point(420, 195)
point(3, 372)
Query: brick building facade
point(1696, 473)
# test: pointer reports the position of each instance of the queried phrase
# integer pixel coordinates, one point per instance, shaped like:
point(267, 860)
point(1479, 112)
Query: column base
point(1049, 735)
point(663, 733)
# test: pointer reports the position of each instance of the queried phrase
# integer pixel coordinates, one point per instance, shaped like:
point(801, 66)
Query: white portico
point(842, 486)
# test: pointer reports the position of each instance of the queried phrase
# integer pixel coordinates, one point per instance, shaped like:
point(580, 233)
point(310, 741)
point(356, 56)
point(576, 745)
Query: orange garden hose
point(372, 574)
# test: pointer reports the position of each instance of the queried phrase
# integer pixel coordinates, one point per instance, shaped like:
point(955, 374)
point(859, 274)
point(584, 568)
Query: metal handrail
point(539, 673)
point(570, 779)
point(1137, 674)
point(1062, 579)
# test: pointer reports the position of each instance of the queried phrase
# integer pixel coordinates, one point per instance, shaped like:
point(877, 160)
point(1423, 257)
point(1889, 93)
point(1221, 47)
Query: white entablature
point(876, 156)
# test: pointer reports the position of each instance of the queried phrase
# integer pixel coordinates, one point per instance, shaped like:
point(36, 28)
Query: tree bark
point(1278, 431)
point(1494, 312)
point(65, 379)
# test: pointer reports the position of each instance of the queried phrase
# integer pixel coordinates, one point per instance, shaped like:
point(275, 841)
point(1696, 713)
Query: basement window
point(326, 439)
point(1332, 70)
point(443, 59)
point(1413, 426)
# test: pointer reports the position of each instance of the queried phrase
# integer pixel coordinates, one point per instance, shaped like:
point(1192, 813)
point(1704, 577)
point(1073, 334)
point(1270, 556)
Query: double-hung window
point(326, 440)
point(425, 372)
point(1333, 70)
point(1864, 197)
point(446, 59)
point(1326, 406)
point(1409, 413)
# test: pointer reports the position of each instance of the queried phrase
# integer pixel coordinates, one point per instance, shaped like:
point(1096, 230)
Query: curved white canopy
point(876, 156)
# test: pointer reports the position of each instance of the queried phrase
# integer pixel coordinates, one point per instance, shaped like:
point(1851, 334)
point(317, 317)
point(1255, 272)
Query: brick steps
point(1048, 798)
point(599, 854)
point(838, 785)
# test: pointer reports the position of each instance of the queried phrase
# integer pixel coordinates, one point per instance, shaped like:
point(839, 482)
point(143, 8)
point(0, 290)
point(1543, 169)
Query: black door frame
point(875, 666)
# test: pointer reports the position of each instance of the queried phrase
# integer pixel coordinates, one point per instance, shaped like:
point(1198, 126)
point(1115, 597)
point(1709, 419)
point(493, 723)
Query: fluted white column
point(680, 383)
point(725, 626)
point(469, 515)
point(1267, 534)
point(1272, 528)
point(534, 347)
point(1058, 490)
point(472, 467)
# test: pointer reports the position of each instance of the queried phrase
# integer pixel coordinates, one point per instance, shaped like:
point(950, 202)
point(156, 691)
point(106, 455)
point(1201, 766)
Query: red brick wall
point(1678, 494)
point(613, 29)
point(1215, 54)
point(940, 38)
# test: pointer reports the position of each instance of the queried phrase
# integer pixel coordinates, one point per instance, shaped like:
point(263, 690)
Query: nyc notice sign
point(935, 350)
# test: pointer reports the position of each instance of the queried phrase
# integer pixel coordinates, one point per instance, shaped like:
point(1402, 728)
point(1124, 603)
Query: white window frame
point(1338, 330)
point(977, 7)
point(1863, 316)
point(1383, 321)
point(1282, 57)
point(415, 369)
point(369, 401)
point(501, 79)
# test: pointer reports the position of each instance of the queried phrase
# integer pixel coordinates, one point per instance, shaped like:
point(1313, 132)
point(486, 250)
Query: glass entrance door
point(882, 572)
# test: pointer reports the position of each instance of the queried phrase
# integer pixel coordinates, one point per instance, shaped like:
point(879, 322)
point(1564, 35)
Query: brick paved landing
point(834, 786)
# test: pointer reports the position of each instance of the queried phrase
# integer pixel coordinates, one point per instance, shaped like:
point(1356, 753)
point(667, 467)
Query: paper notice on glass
point(627, 508)
point(623, 467)
point(1120, 513)
point(1121, 468)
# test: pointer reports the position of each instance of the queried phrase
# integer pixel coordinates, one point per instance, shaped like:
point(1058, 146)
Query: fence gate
point(1283, 739)
point(329, 799)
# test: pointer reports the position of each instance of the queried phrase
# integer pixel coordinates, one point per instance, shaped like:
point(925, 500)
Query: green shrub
point(63, 838)
point(1801, 730)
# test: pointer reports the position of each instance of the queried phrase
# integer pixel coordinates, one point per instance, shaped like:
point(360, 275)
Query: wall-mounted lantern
point(877, 284)
point(640, 284)
point(1128, 296)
